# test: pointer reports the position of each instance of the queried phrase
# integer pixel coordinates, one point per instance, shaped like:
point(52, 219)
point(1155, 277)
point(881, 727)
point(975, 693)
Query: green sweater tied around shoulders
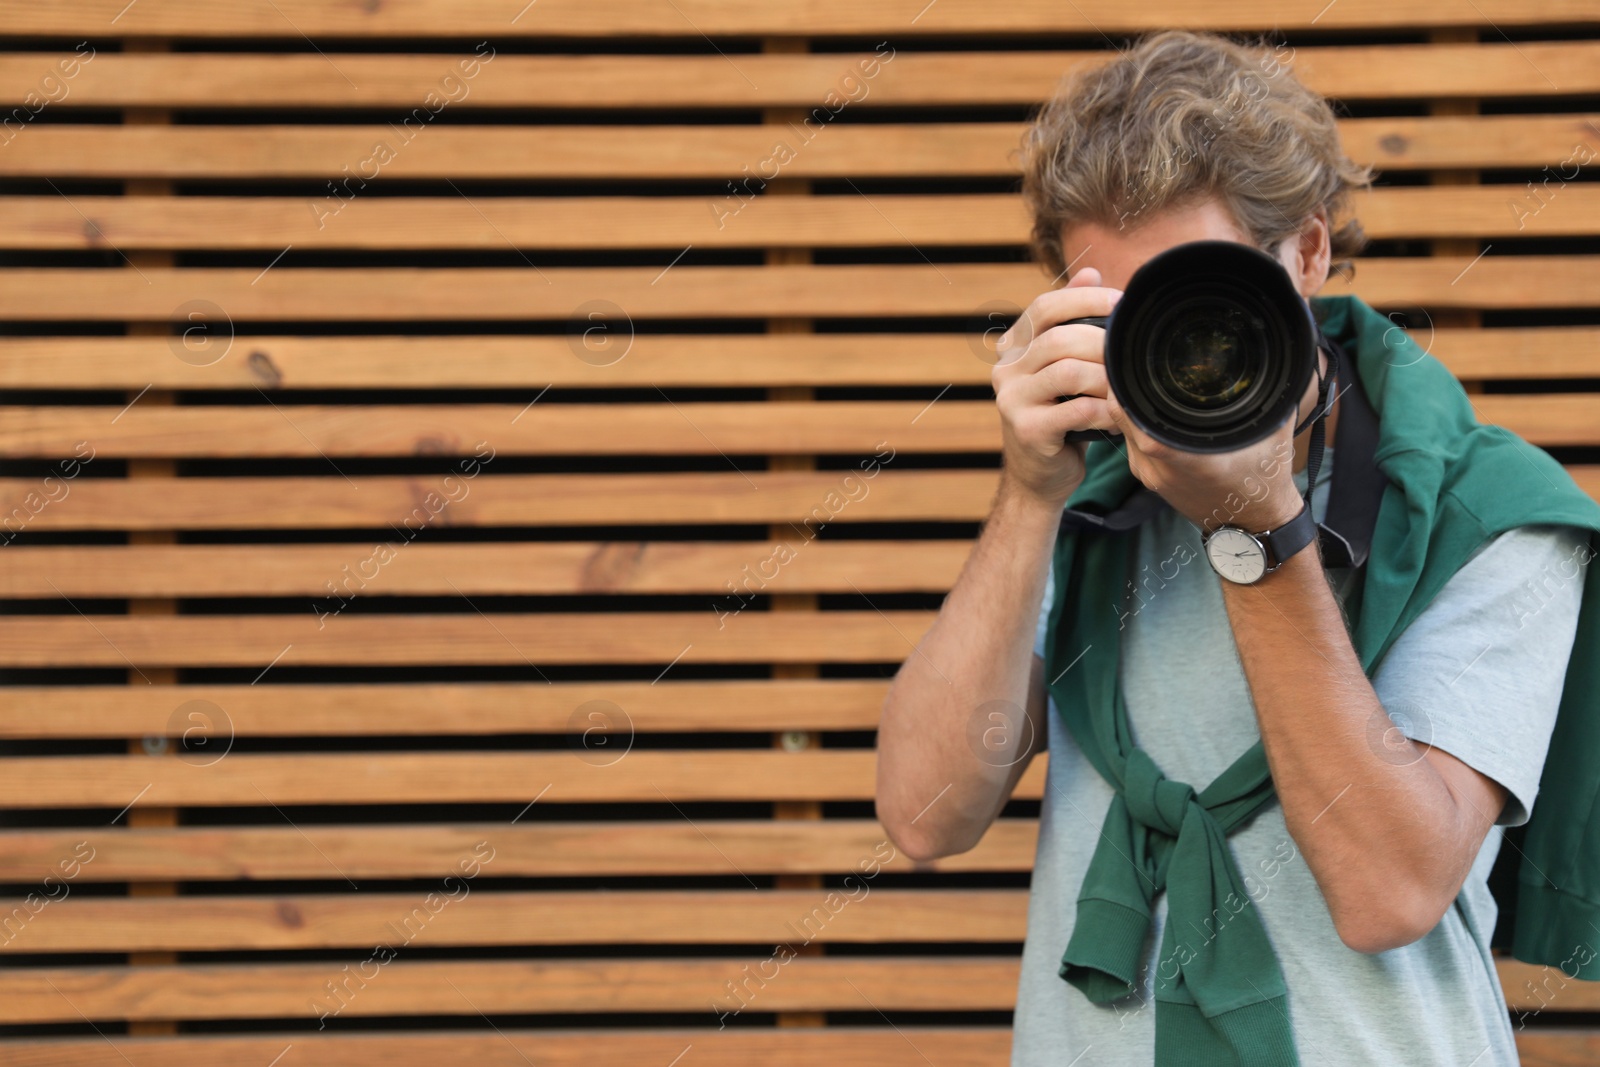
point(1453, 484)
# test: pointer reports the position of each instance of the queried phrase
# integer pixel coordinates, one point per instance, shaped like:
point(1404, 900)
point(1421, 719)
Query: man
point(1337, 910)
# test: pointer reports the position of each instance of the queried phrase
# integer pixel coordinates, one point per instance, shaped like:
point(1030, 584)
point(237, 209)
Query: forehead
point(1117, 251)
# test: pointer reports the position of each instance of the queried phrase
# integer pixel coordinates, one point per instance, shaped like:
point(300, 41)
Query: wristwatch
point(1244, 558)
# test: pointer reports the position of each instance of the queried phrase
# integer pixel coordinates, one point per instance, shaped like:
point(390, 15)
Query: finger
point(1079, 413)
point(1080, 341)
point(1053, 307)
point(1088, 276)
point(1064, 377)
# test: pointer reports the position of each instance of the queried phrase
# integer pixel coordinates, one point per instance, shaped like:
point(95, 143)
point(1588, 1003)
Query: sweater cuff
point(1105, 949)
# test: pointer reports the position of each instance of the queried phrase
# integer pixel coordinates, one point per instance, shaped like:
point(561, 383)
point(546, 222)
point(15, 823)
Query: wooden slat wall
point(367, 527)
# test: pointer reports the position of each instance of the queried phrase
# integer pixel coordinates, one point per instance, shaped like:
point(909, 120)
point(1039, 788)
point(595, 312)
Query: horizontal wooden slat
point(630, 294)
point(791, 564)
point(857, 221)
point(632, 360)
point(1479, 141)
point(246, 503)
point(852, 427)
point(496, 223)
point(528, 152)
point(220, 991)
point(868, 915)
point(465, 708)
point(1551, 420)
point(1558, 1046)
point(1556, 209)
point(902, 1046)
point(706, 428)
point(642, 360)
point(61, 994)
point(1533, 987)
point(854, 1046)
point(618, 295)
point(964, 78)
point(1407, 71)
point(693, 18)
point(1526, 352)
point(530, 640)
point(529, 848)
point(593, 775)
point(848, 149)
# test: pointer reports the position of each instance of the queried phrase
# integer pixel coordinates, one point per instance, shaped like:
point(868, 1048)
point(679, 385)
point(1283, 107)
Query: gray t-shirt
point(1478, 674)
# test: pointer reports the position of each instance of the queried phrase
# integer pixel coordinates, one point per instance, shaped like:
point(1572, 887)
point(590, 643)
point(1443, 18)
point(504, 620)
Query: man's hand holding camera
point(1252, 488)
point(1045, 357)
point(1040, 361)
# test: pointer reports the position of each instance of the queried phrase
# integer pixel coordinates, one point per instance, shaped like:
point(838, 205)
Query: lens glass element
point(1209, 359)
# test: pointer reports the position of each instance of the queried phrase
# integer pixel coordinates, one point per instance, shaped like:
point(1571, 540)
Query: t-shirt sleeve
point(1044, 612)
point(1480, 672)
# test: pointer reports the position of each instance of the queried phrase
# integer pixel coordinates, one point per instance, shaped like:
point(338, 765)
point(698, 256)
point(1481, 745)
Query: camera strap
point(1318, 418)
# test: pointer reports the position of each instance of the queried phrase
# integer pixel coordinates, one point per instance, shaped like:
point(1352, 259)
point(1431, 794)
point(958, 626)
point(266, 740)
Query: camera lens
point(1210, 347)
point(1208, 360)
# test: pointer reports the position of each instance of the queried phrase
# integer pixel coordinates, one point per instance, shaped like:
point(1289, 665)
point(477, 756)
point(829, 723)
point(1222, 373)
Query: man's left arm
point(1389, 824)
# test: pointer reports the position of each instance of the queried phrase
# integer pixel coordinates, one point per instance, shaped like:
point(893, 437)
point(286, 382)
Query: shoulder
point(1480, 672)
point(1530, 566)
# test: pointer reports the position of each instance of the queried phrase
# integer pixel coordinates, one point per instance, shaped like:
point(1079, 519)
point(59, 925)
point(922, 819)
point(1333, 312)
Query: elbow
point(1388, 920)
point(919, 843)
point(916, 847)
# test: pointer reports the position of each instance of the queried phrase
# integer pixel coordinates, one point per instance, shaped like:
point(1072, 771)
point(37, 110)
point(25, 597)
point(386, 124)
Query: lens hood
point(1211, 346)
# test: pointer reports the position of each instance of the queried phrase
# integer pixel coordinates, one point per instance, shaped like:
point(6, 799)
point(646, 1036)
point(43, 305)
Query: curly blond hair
point(1183, 117)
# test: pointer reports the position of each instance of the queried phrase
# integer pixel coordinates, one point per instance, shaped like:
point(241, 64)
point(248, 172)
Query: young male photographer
point(1306, 764)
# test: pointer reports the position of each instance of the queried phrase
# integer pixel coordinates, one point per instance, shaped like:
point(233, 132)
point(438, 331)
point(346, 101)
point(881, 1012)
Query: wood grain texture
point(409, 986)
point(456, 708)
point(616, 770)
point(864, 1046)
point(531, 847)
point(500, 223)
point(532, 361)
point(816, 150)
point(962, 78)
point(792, 561)
point(705, 428)
point(469, 637)
point(383, 501)
point(861, 913)
point(689, 18)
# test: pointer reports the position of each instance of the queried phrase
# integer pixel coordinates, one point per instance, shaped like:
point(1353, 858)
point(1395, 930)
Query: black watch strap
point(1289, 538)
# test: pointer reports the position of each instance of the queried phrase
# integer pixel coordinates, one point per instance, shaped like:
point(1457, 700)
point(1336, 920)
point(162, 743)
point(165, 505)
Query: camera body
point(1210, 348)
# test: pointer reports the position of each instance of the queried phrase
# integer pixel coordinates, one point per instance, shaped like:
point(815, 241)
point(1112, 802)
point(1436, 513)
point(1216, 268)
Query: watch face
point(1236, 555)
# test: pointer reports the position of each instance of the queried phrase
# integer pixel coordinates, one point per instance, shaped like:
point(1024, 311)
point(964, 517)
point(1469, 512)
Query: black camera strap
point(1319, 417)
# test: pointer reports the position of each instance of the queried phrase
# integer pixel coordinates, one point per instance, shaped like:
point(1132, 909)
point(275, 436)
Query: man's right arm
point(966, 711)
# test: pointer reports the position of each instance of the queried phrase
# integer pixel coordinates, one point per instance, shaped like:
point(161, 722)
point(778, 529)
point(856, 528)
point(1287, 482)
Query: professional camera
point(1209, 349)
